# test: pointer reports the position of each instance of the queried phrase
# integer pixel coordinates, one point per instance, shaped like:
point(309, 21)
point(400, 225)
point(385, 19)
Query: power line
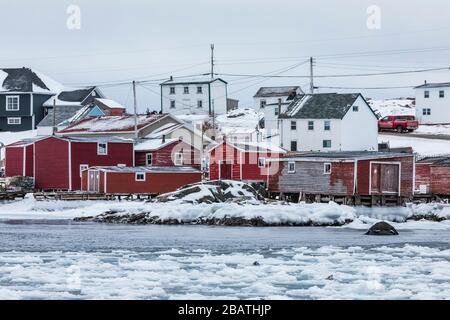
point(365, 88)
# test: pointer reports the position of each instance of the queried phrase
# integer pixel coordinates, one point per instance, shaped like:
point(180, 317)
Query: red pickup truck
point(399, 123)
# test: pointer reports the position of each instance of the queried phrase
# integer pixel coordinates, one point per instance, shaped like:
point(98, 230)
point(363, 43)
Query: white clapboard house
point(433, 103)
point(329, 122)
point(194, 96)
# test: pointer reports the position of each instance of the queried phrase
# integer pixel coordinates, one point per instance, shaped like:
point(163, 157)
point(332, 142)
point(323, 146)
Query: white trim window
point(426, 94)
point(178, 158)
point(102, 149)
point(327, 125)
point(12, 103)
point(83, 167)
point(355, 108)
point(172, 90)
point(172, 104)
point(326, 144)
point(291, 167)
point(140, 176)
point(310, 125)
point(327, 168)
point(149, 159)
point(186, 90)
point(293, 125)
point(199, 104)
point(15, 121)
point(261, 162)
point(442, 94)
point(426, 111)
point(199, 90)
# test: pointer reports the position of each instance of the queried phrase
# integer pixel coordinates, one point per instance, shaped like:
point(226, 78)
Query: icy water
point(66, 260)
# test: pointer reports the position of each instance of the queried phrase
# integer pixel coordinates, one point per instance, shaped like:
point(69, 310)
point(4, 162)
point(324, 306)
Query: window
point(12, 103)
point(200, 104)
point(327, 125)
point(327, 144)
point(14, 121)
point(102, 149)
point(172, 104)
point(263, 104)
point(140, 176)
point(442, 94)
point(291, 167)
point(199, 90)
point(172, 90)
point(294, 145)
point(83, 167)
point(178, 159)
point(261, 162)
point(277, 110)
point(186, 90)
point(310, 125)
point(426, 111)
point(426, 94)
point(327, 168)
point(355, 108)
point(149, 159)
point(293, 125)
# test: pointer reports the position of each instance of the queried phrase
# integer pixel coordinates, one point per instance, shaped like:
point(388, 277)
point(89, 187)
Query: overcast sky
point(134, 39)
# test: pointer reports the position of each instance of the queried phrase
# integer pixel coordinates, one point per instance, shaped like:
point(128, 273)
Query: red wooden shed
point(59, 161)
point(242, 161)
point(345, 174)
point(166, 153)
point(433, 176)
point(138, 180)
point(19, 158)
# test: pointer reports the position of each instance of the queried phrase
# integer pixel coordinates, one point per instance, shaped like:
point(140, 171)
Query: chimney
point(171, 78)
point(425, 81)
point(279, 106)
point(164, 138)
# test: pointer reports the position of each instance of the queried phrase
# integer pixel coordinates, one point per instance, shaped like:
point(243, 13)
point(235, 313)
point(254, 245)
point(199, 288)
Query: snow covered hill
point(389, 107)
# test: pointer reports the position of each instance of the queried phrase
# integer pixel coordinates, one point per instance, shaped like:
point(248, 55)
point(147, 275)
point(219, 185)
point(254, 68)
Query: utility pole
point(311, 72)
point(212, 60)
point(54, 117)
point(135, 112)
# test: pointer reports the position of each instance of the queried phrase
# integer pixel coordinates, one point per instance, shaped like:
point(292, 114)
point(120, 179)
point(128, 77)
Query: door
point(375, 178)
point(390, 174)
point(225, 171)
point(94, 181)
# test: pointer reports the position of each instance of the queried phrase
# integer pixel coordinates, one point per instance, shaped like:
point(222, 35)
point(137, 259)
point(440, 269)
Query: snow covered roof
point(153, 144)
point(254, 147)
point(148, 169)
point(24, 142)
point(433, 85)
point(26, 80)
point(98, 139)
point(109, 103)
point(343, 155)
point(193, 80)
point(108, 124)
point(265, 92)
point(321, 106)
point(164, 130)
point(443, 160)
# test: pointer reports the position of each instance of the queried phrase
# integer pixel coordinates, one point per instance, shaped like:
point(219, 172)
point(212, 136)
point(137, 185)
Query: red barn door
point(385, 178)
point(225, 171)
point(94, 181)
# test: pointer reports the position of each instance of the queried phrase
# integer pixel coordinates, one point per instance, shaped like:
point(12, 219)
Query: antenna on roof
point(212, 60)
point(135, 111)
point(54, 117)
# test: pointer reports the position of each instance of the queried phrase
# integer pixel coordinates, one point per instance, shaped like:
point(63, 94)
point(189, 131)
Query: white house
point(268, 99)
point(433, 103)
point(194, 96)
point(329, 122)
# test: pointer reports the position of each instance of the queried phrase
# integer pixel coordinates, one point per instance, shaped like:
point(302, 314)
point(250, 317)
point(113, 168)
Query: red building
point(138, 180)
point(58, 162)
point(19, 158)
point(344, 174)
point(242, 161)
point(433, 176)
point(166, 153)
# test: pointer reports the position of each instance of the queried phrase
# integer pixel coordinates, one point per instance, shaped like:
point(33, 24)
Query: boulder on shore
point(382, 229)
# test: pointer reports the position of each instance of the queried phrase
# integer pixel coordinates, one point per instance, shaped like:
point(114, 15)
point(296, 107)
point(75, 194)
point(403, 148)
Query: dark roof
point(277, 91)
point(63, 113)
point(321, 106)
point(433, 85)
point(200, 80)
point(438, 160)
point(345, 155)
point(75, 95)
point(147, 169)
point(22, 80)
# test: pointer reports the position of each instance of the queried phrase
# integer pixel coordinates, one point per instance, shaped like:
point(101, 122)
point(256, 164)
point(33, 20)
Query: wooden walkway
point(11, 195)
point(86, 196)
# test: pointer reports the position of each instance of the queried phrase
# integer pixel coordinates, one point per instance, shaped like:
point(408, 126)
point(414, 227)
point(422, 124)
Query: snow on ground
point(392, 107)
point(426, 147)
point(12, 137)
point(325, 214)
point(329, 272)
point(434, 129)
